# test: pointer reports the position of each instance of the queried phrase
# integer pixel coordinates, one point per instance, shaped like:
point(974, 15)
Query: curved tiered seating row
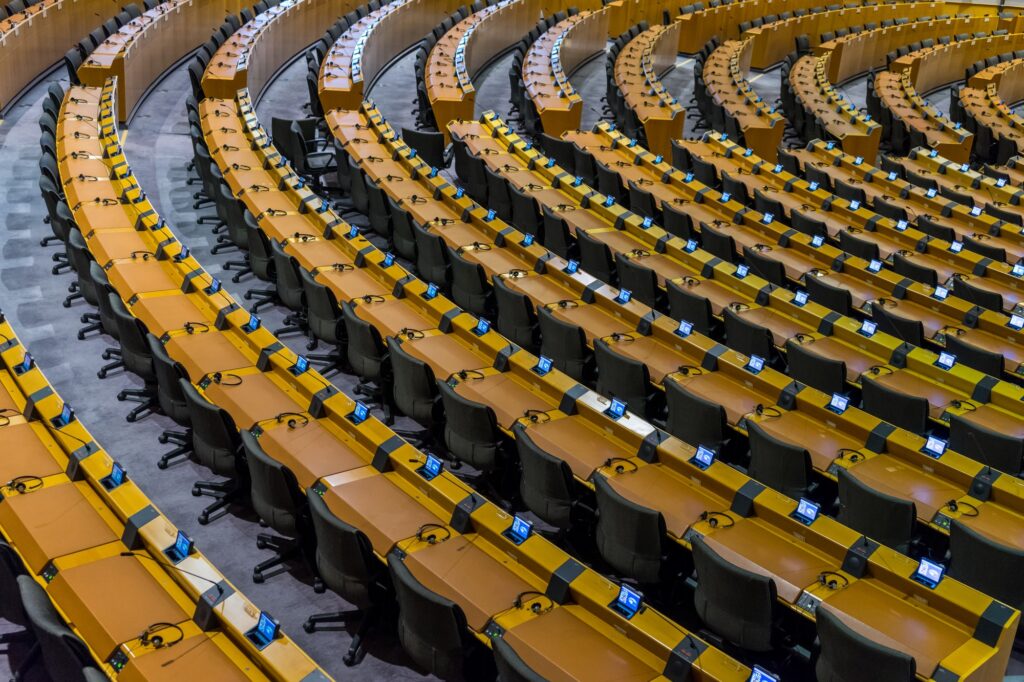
point(985, 104)
point(772, 41)
point(996, 196)
point(366, 47)
point(33, 40)
point(254, 53)
point(331, 255)
point(141, 50)
point(553, 58)
point(636, 85)
point(913, 122)
point(99, 548)
point(731, 105)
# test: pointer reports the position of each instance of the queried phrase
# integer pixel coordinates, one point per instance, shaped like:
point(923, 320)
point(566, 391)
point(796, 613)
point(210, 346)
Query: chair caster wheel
point(309, 626)
point(101, 374)
point(260, 543)
point(131, 418)
point(66, 304)
point(203, 519)
point(161, 465)
point(121, 396)
point(349, 660)
point(105, 355)
point(162, 439)
point(257, 578)
point(196, 492)
point(81, 336)
point(247, 295)
point(319, 587)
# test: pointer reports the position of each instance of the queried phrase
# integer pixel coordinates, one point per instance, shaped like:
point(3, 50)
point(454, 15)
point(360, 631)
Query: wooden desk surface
point(28, 451)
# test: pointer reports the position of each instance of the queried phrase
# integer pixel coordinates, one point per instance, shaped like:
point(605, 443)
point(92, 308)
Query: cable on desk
point(690, 370)
point(954, 506)
point(761, 410)
point(536, 607)
point(145, 255)
point(303, 236)
point(875, 370)
point(149, 636)
point(431, 538)
point(295, 420)
point(850, 455)
point(535, 416)
point(618, 462)
point(411, 334)
point(218, 378)
point(963, 404)
point(802, 338)
point(830, 579)
point(465, 374)
point(23, 484)
point(369, 298)
point(618, 337)
point(712, 517)
point(564, 303)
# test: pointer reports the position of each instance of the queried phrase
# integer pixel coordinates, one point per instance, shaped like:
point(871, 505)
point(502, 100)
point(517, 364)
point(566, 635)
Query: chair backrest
point(273, 487)
point(899, 409)
point(366, 351)
point(622, 377)
point(428, 144)
point(906, 266)
point(639, 279)
point(629, 536)
point(686, 303)
point(1001, 451)
point(215, 437)
point(470, 289)
point(289, 285)
point(431, 256)
point(910, 331)
point(134, 349)
point(512, 668)
point(857, 246)
point(344, 555)
point(430, 627)
point(10, 598)
point(747, 337)
point(546, 484)
point(693, 418)
point(64, 655)
point(989, 362)
point(718, 243)
point(777, 464)
point(168, 372)
point(517, 319)
point(807, 367)
point(880, 516)
point(977, 295)
point(765, 266)
point(733, 602)
point(985, 565)
point(566, 344)
point(596, 258)
point(415, 389)
point(846, 654)
point(324, 313)
point(471, 429)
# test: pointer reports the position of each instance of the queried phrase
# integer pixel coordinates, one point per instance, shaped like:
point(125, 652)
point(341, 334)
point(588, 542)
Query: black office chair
point(1001, 451)
point(899, 409)
point(778, 464)
point(747, 337)
point(693, 418)
point(629, 537)
point(566, 344)
point(846, 654)
point(137, 359)
point(733, 602)
point(64, 655)
point(278, 503)
point(989, 362)
point(909, 331)
point(289, 290)
point(763, 265)
point(596, 258)
point(415, 390)
point(991, 300)
point(471, 431)
point(884, 518)
point(431, 628)
point(546, 486)
point(641, 280)
point(10, 604)
point(628, 380)
point(84, 287)
point(309, 157)
point(369, 360)
point(516, 319)
point(217, 447)
point(72, 61)
point(172, 401)
point(511, 667)
point(431, 256)
point(260, 260)
point(857, 246)
point(686, 303)
point(906, 266)
point(346, 563)
point(470, 289)
point(429, 145)
point(499, 199)
point(324, 317)
point(985, 565)
point(825, 374)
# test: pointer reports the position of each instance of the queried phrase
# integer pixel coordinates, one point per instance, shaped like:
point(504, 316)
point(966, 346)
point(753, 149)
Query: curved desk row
point(485, 588)
point(371, 43)
point(986, 101)
point(772, 42)
point(35, 39)
point(638, 70)
point(725, 73)
point(258, 50)
point(552, 59)
point(990, 191)
point(97, 549)
point(147, 46)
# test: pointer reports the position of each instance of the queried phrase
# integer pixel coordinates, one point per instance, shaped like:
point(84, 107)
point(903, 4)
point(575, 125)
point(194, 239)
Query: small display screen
point(543, 365)
point(253, 324)
point(214, 286)
point(691, 246)
point(930, 193)
point(520, 529)
point(527, 240)
point(1018, 270)
point(806, 511)
point(855, 204)
point(929, 573)
point(1016, 322)
point(389, 259)
point(838, 403)
point(432, 467)
point(868, 328)
point(301, 364)
point(741, 270)
point(755, 364)
point(875, 265)
point(182, 545)
point(768, 218)
point(360, 413)
point(941, 293)
point(616, 409)
point(800, 298)
point(624, 296)
point(482, 327)
point(572, 266)
point(66, 415)
point(628, 601)
point(431, 291)
point(116, 475)
point(817, 240)
point(267, 627)
point(704, 457)
point(946, 360)
point(934, 446)
point(26, 363)
point(759, 674)
point(685, 328)
point(956, 247)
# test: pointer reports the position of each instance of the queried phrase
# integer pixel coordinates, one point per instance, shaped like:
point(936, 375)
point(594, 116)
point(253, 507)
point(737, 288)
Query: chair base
point(263, 297)
point(30, 662)
point(356, 651)
point(283, 548)
point(183, 439)
point(224, 492)
point(147, 402)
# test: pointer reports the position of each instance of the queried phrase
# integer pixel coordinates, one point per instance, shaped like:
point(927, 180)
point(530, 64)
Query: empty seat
point(807, 367)
point(629, 537)
point(777, 464)
point(884, 518)
point(693, 418)
point(899, 409)
point(1001, 451)
point(985, 565)
point(846, 654)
